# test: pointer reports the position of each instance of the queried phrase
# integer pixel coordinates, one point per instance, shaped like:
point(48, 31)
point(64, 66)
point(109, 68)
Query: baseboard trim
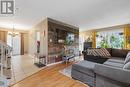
point(54, 63)
point(47, 64)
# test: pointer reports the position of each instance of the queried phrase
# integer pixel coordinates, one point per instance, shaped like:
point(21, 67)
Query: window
point(110, 39)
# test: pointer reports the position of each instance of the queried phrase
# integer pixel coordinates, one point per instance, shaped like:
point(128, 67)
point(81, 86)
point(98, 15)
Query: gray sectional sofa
point(109, 73)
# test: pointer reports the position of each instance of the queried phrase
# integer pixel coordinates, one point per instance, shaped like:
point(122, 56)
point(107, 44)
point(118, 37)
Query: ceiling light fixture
point(13, 33)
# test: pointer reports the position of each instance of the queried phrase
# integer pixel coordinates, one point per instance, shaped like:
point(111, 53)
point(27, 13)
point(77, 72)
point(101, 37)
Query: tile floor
point(22, 67)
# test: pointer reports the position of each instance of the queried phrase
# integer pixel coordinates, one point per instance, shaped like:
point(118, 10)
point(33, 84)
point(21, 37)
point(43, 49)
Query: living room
point(65, 43)
point(106, 52)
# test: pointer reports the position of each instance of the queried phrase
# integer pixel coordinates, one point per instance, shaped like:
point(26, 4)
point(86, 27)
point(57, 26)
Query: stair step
point(5, 60)
point(9, 56)
point(8, 73)
point(8, 63)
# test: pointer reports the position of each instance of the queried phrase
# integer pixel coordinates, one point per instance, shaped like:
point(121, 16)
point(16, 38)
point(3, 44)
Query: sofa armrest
point(113, 73)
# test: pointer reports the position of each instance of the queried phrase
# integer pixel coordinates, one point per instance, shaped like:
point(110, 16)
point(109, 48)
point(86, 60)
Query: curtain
point(22, 43)
point(3, 36)
point(94, 39)
point(127, 36)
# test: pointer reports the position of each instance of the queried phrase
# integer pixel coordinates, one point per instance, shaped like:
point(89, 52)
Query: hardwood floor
point(49, 77)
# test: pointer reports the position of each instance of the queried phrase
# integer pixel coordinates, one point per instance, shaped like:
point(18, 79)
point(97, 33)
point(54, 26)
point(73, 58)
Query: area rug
point(66, 71)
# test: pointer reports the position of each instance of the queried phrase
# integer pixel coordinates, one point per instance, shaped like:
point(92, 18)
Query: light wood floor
point(49, 77)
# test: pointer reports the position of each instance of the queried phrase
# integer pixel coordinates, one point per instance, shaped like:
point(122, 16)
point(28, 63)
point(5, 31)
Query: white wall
point(32, 43)
point(41, 27)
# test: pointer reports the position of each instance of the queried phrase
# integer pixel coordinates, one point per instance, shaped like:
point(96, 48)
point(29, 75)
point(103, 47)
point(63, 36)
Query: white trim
point(54, 63)
point(47, 64)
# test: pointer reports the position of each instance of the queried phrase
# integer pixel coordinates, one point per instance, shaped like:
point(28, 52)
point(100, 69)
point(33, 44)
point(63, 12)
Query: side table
point(39, 60)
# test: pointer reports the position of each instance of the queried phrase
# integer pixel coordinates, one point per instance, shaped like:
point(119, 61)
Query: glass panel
point(15, 43)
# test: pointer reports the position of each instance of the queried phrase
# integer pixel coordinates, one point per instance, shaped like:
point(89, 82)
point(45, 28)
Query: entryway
point(22, 67)
point(15, 43)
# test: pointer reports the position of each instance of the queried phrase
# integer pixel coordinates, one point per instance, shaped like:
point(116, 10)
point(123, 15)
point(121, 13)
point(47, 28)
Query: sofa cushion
point(114, 64)
point(114, 74)
point(116, 60)
point(127, 58)
point(85, 67)
point(96, 59)
point(127, 66)
point(119, 53)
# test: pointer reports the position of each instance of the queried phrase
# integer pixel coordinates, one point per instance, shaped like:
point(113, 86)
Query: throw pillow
point(98, 52)
point(92, 52)
point(127, 66)
point(105, 52)
point(127, 59)
point(88, 52)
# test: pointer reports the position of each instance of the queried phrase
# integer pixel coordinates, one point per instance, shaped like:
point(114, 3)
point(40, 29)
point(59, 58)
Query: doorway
point(15, 43)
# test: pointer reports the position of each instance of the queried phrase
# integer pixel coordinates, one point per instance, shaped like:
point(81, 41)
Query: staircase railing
point(5, 63)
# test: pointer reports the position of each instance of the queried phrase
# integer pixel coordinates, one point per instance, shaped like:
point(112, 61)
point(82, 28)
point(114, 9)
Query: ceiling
point(86, 14)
